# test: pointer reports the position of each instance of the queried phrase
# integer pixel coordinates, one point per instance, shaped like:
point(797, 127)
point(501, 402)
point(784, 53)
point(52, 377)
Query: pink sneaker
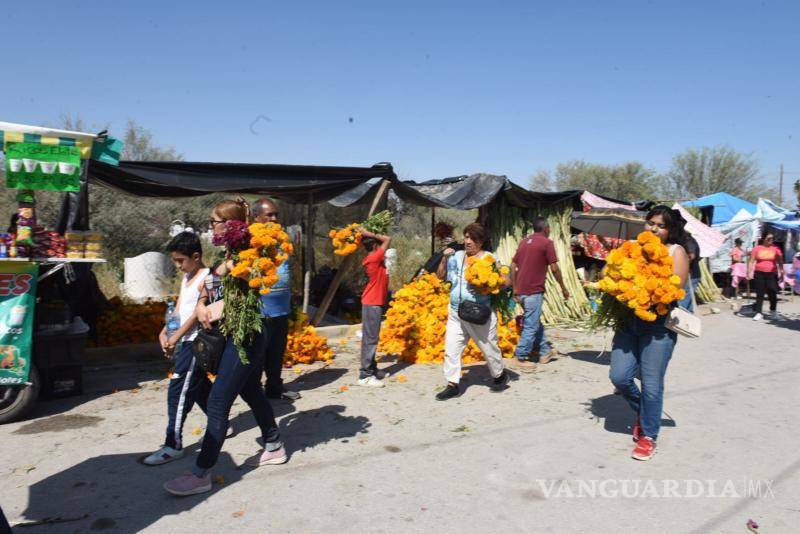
point(188, 484)
point(265, 457)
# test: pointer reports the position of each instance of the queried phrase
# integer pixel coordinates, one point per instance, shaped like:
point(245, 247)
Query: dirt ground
point(395, 460)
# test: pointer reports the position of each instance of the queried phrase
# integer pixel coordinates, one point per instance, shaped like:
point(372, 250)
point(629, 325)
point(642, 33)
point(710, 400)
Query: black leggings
point(765, 283)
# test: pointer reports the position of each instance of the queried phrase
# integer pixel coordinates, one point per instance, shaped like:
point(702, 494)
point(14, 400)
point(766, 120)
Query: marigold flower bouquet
point(346, 240)
point(484, 274)
point(638, 281)
point(256, 251)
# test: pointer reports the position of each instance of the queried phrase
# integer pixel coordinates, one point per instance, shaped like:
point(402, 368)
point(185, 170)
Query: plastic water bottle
point(172, 320)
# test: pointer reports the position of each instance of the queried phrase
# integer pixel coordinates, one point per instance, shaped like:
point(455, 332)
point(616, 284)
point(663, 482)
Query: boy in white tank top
point(188, 383)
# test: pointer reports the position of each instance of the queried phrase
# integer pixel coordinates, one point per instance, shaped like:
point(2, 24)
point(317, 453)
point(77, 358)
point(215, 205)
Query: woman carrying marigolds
point(241, 363)
point(642, 282)
point(474, 276)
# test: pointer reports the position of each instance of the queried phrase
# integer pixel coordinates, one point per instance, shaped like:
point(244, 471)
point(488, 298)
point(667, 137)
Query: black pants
point(187, 385)
point(765, 283)
point(5, 528)
point(276, 331)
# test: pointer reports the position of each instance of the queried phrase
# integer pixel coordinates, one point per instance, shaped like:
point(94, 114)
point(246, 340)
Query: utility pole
point(780, 187)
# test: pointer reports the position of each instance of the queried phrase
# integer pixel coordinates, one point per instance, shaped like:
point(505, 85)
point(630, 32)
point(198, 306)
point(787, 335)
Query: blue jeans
point(532, 337)
point(643, 349)
point(235, 378)
point(686, 302)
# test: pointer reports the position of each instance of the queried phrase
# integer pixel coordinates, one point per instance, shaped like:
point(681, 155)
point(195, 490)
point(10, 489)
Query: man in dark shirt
point(535, 255)
point(693, 251)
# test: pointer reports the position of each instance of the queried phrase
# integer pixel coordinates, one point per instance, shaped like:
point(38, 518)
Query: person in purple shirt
point(276, 306)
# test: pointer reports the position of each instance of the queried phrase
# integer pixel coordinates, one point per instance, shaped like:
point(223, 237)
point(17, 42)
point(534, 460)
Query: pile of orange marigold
point(415, 324)
point(126, 323)
point(303, 344)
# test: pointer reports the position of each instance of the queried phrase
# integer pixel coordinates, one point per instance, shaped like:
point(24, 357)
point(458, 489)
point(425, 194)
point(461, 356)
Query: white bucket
point(148, 276)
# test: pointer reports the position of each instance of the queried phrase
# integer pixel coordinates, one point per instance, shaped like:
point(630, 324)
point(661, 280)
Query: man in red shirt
point(535, 254)
point(372, 302)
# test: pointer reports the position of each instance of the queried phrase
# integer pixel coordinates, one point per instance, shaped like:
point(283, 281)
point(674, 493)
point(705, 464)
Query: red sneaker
point(645, 449)
point(637, 430)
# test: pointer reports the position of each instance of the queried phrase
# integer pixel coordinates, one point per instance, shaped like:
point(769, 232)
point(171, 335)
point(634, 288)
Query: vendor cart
point(39, 328)
point(45, 274)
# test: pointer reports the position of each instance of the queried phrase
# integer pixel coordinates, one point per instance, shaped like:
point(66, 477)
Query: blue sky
point(437, 88)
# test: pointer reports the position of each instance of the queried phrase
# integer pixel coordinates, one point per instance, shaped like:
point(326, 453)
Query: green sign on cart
point(36, 166)
point(17, 299)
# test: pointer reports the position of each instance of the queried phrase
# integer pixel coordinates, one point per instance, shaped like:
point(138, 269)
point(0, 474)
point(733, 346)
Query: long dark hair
point(763, 239)
point(676, 235)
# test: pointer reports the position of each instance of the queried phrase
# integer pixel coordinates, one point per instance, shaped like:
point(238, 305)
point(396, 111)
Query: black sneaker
point(448, 393)
point(283, 395)
point(499, 383)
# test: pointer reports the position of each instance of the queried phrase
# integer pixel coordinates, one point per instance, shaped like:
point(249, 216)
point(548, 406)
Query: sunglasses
point(212, 222)
point(270, 214)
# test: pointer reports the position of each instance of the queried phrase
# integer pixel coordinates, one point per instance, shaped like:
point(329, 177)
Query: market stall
point(97, 162)
point(42, 333)
point(508, 210)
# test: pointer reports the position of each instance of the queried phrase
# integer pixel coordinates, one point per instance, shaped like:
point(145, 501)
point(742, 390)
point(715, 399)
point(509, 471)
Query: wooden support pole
point(433, 230)
point(347, 261)
point(308, 251)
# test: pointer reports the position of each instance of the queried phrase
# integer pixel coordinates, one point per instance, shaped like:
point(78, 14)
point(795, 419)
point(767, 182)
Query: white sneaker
point(758, 317)
point(164, 455)
point(370, 382)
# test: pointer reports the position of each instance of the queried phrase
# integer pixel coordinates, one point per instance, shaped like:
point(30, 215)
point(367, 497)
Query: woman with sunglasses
point(233, 378)
point(766, 269)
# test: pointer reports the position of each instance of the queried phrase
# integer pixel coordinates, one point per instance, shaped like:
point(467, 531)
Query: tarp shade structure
point(293, 183)
point(709, 239)
point(461, 192)
point(590, 200)
point(724, 206)
point(618, 223)
point(769, 212)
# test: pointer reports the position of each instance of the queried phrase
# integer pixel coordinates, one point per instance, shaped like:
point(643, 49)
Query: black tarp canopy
point(341, 186)
point(294, 183)
point(460, 192)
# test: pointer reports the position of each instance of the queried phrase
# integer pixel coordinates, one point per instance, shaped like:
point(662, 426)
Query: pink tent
point(710, 240)
point(593, 201)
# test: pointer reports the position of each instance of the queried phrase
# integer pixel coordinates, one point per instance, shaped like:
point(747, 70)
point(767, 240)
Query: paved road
point(550, 454)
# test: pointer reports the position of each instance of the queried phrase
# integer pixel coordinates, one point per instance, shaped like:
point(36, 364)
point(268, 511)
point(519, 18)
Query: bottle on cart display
point(4, 239)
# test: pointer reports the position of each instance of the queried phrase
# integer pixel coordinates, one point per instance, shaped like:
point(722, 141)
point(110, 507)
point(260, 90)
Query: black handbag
point(469, 310)
point(208, 347)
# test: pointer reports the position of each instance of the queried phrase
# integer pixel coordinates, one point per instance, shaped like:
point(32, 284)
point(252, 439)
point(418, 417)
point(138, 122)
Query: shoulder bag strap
point(460, 274)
